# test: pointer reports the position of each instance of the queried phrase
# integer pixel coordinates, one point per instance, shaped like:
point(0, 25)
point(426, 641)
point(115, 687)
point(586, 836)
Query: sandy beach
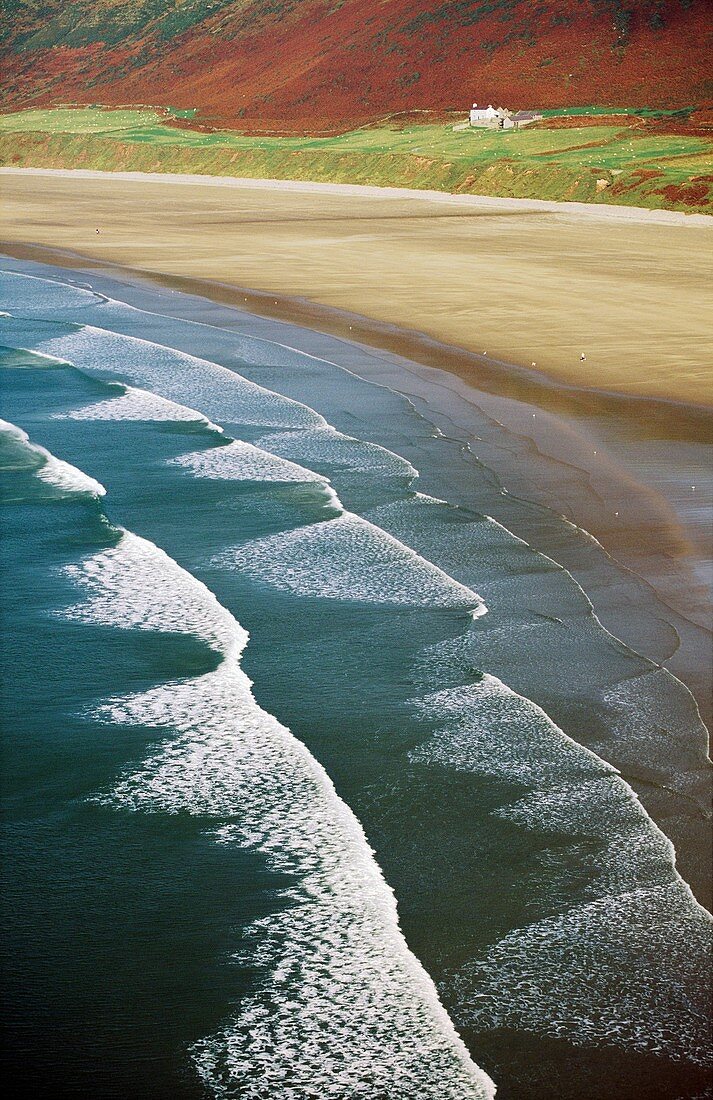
point(637, 536)
point(437, 280)
point(356, 498)
point(473, 285)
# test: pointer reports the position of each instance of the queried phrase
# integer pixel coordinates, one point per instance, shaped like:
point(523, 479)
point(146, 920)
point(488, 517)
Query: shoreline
point(504, 377)
point(684, 645)
point(608, 311)
point(616, 211)
point(391, 661)
point(628, 605)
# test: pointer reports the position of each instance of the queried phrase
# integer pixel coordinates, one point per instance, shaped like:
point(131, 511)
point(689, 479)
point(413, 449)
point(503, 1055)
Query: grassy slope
point(305, 66)
point(641, 167)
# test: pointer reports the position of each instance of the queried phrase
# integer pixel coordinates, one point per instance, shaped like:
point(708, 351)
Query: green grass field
point(613, 162)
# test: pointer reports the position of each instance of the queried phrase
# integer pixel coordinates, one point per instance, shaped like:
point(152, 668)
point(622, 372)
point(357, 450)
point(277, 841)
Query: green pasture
point(537, 162)
point(86, 120)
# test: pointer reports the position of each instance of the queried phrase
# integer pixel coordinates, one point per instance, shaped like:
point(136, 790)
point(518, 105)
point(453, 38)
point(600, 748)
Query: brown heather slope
point(305, 65)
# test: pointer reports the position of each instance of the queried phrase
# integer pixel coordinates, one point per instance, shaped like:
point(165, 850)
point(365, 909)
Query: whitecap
point(630, 852)
point(624, 963)
point(219, 393)
point(327, 446)
point(628, 971)
point(131, 403)
point(342, 1008)
point(348, 558)
point(239, 461)
point(493, 731)
point(53, 471)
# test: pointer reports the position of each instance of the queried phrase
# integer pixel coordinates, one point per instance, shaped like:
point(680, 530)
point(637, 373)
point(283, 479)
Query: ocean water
point(315, 784)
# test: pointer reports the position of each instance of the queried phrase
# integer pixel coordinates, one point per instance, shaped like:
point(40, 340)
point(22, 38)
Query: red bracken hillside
point(316, 64)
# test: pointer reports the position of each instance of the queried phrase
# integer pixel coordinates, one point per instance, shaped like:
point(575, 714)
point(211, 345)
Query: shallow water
point(198, 864)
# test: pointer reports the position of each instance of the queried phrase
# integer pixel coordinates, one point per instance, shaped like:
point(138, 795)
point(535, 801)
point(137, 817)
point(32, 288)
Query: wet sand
point(473, 285)
point(644, 561)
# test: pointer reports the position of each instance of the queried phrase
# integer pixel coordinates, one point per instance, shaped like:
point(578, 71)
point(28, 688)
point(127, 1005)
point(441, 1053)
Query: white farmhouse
point(486, 116)
point(499, 118)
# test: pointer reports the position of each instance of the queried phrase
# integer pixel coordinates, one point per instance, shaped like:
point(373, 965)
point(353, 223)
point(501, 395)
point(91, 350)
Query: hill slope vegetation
point(310, 65)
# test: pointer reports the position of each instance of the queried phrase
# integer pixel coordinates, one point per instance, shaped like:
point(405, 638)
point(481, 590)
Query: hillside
point(310, 65)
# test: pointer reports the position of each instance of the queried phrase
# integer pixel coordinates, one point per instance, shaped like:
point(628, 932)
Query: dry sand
point(440, 278)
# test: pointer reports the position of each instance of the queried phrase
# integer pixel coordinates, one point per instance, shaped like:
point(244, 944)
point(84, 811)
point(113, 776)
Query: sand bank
point(357, 190)
point(470, 284)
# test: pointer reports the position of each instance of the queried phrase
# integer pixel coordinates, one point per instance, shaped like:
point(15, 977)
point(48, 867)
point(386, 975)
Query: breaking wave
point(342, 1008)
point(348, 558)
point(52, 471)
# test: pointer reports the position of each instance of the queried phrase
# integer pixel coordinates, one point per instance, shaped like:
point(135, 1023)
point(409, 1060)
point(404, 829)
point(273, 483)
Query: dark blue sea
point(286, 810)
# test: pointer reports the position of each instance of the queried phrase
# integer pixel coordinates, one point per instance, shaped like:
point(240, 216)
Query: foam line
point(53, 471)
point(38, 293)
point(563, 976)
point(618, 971)
point(219, 393)
point(327, 445)
point(131, 403)
point(560, 976)
point(491, 730)
point(348, 558)
point(342, 1007)
point(240, 461)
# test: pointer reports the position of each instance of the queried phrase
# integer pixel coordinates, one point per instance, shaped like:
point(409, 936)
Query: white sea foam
point(34, 294)
point(629, 852)
point(240, 461)
point(477, 549)
point(494, 731)
point(567, 809)
point(342, 1009)
point(136, 585)
point(220, 394)
point(654, 722)
point(131, 403)
point(348, 558)
point(626, 964)
point(68, 478)
point(327, 446)
point(537, 610)
point(566, 976)
point(53, 471)
point(629, 970)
